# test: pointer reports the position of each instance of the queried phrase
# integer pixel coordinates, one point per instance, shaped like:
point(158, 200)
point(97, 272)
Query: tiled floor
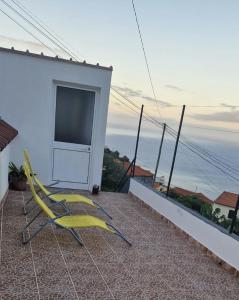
point(161, 264)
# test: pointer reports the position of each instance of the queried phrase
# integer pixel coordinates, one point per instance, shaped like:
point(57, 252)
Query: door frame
point(74, 85)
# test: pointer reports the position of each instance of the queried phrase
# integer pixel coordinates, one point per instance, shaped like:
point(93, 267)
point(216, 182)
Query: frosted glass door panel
point(74, 115)
point(71, 166)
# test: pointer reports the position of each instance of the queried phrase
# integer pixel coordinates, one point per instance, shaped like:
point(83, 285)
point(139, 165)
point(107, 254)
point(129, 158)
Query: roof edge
point(54, 58)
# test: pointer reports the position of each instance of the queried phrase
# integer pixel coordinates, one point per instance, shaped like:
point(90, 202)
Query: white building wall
point(4, 161)
point(224, 209)
point(27, 103)
point(221, 244)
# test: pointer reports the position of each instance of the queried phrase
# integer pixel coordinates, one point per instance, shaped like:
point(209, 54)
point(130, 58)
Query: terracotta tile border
point(224, 265)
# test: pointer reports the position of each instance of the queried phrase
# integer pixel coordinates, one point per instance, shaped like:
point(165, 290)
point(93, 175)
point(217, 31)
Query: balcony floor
point(161, 264)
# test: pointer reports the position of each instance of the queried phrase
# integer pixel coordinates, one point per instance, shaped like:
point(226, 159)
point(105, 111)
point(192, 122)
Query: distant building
point(226, 201)
point(139, 171)
point(182, 192)
point(146, 175)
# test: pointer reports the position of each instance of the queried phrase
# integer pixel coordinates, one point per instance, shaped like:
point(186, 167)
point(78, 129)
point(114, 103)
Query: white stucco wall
point(221, 244)
point(224, 209)
point(4, 161)
point(27, 86)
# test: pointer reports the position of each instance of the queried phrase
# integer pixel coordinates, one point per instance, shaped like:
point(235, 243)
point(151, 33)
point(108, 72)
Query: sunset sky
point(192, 49)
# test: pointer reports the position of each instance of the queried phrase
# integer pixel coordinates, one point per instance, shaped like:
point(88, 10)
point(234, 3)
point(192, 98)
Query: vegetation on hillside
point(206, 210)
point(113, 169)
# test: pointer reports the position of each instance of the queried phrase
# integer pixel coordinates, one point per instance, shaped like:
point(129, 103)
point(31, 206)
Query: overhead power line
point(44, 27)
point(224, 168)
point(202, 106)
point(27, 31)
point(52, 40)
point(204, 158)
point(145, 57)
point(212, 160)
point(218, 106)
point(171, 131)
point(213, 157)
point(207, 180)
point(213, 129)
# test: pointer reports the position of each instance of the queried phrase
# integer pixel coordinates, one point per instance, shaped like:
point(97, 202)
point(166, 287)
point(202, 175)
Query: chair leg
point(67, 209)
point(27, 240)
point(25, 205)
point(27, 212)
point(33, 219)
point(76, 236)
point(28, 201)
point(102, 209)
point(117, 232)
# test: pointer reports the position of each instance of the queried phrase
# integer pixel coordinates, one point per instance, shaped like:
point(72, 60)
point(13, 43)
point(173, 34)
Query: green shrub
point(113, 170)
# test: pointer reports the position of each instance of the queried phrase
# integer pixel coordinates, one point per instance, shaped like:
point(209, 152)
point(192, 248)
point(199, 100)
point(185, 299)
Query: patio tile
point(161, 264)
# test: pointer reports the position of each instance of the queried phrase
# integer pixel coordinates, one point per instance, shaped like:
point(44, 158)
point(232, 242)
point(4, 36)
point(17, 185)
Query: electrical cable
point(145, 56)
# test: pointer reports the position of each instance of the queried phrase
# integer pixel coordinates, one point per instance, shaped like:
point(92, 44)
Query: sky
point(192, 48)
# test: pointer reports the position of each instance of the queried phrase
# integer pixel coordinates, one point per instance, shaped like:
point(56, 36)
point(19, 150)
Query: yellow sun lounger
point(65, 221)
point(58, 195)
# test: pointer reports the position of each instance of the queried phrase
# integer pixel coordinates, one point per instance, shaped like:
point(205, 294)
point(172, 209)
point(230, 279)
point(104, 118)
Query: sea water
point(190, 172)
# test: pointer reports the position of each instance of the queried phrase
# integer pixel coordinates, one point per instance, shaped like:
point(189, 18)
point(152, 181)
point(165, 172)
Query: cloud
point(174, 87)
point(226, 116)
point(34, 47)
point(161, 102)
point(232, 107)
point(139, 94)
point(129, 91)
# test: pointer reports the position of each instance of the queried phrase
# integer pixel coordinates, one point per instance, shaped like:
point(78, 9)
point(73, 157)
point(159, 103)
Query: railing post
point(234, 216)
point(137, 140)
point(175, 150)
point(159, 155)
point(117, 189)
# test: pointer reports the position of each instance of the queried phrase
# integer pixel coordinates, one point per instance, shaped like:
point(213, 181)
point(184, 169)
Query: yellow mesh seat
point(72, 198)
point(57, 197)
point(82, 221)
point(66, 221)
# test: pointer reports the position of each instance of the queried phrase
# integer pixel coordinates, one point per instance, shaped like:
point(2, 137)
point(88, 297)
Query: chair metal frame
point(50, 221)
point(25, 211)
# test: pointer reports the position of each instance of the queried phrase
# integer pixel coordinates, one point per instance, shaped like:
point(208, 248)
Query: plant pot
point(18, 185)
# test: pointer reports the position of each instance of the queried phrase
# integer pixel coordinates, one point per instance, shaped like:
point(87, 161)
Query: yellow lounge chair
point(66, 221)
point(58, 195)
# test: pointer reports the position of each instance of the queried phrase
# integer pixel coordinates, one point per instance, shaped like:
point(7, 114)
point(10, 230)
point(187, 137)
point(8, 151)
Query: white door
point(74, 115)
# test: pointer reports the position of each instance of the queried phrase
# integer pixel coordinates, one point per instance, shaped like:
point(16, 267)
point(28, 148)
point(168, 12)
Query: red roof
point(227, 199)
point(157, 185)
point(7, 134)
point(138, 171)
point(182, 192)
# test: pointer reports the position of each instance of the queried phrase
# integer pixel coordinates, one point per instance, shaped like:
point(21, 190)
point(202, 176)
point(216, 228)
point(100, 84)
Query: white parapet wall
point(217, 241)
point(4, 161)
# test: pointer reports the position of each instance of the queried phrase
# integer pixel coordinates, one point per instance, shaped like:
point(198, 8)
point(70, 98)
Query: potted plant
point(17, 178)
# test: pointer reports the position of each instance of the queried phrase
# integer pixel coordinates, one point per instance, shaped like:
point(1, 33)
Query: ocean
point(191, 172)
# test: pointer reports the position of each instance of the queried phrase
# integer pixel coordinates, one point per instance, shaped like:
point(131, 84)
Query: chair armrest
point(57, 203)
point(62, 204)
point(60, 216)
point(56, 192)
point(53, 184)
